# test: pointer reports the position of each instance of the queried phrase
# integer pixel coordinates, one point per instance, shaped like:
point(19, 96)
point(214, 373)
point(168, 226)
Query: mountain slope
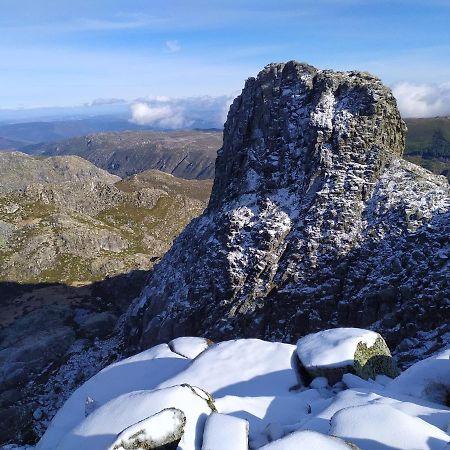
point(186, 154)
point(428, 144)
point(76, 243)
point(65, 220)
point(19, 170)
point(314, 221)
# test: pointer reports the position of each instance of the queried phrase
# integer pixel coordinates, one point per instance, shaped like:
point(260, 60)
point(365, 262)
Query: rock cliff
point(315, 220)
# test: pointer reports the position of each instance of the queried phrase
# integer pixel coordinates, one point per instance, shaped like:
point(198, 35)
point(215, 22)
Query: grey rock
point(98, 325)
point(310, 185)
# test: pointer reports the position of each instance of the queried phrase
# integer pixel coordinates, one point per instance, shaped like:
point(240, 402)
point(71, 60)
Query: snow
point(224, 432)
point(242, 367)
point(189, 347)
point(428, 379)
point(159, 429)
point(262, 411)
point(258, 401)
point(142, 371)
point(307, 440)
point(332, 348)
point(381, 427)
point(99, 429)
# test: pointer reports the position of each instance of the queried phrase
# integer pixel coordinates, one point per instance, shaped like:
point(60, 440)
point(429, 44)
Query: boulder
point(331, 353)
point(378, 427)
point(309, 440)
point(99, 430)
point(189, 347)
point(223, 432)
point(162, 431)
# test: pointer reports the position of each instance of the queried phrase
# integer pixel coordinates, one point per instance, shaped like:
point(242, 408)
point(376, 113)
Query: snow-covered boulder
point(241, 367)
point(100, 429)
point(258, 402)
point(223, 432)
point(142, 371)
point(189, 347)
point(428, 379)
point(381, 427)
point(163, 429)
point(263, 413)
point(336, 351)
point(309, 440)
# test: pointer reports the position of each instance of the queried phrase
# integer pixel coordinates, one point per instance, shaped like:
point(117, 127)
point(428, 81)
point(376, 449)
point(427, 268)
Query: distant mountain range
point(121, 149)
point(188, 154)
point(428, 144)
point(18, 135)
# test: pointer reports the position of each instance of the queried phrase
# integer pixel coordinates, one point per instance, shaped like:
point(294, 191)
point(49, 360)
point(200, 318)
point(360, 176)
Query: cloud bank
point(174, 113)
point(422, 100)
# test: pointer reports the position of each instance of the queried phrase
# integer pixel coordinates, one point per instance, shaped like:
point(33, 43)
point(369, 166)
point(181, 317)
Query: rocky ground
point(188, 154)
point(76, 244)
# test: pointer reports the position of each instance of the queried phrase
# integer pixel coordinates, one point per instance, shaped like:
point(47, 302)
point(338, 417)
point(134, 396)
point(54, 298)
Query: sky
point(159, 53)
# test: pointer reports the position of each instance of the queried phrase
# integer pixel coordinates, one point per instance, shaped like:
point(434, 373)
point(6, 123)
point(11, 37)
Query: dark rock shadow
point(38, 325)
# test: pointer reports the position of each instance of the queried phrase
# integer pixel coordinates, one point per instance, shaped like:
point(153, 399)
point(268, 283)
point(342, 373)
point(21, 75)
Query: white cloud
point(421, 99)
point(164, 116)
point(170, 112)
point(173, 46)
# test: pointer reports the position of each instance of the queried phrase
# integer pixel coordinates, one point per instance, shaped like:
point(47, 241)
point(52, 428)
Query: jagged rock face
point(314, 221)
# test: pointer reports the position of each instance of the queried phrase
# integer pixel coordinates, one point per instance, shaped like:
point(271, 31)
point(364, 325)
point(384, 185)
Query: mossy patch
point(375, 360)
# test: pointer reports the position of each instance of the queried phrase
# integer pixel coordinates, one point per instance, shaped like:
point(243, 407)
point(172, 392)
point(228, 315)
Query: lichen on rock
point(162, 431)
point(370, 361)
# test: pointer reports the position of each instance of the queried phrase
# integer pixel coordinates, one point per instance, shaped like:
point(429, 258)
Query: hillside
point(19, 171)
point(187, 154)
point(76, 244)
point(428, 144)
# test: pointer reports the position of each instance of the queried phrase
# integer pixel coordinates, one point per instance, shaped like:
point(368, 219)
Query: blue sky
point(59, 52)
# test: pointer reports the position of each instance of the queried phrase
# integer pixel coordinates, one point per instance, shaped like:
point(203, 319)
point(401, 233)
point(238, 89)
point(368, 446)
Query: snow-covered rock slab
point(381, 427)
point(428, 379)
point(223, 432)
point(161, 429)
point(335, 351)
point(100, 429)
point(242, 367)
point(189, 347)
point(308, 440)
point(262, 411)
point(142, 371)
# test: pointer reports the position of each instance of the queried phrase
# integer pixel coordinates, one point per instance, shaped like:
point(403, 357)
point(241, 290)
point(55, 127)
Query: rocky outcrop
point(314, 221)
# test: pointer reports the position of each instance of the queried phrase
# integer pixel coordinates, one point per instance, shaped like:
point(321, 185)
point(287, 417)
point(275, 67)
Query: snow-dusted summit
point(314, 221)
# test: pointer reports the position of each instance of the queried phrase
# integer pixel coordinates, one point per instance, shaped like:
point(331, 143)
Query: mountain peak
point(294, 122)
point(314, 221)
